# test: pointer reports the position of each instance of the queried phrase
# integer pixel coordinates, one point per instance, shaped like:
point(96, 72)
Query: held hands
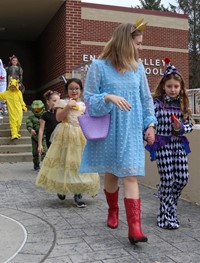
point(120, 102)
point(150, 135)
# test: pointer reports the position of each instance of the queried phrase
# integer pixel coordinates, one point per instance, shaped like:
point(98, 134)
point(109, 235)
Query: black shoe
point(36, 167)
point(61, 197)
point(14, 138)
point(78, 201)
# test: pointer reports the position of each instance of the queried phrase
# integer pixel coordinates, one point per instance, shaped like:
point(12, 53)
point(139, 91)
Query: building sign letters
point(152, 66)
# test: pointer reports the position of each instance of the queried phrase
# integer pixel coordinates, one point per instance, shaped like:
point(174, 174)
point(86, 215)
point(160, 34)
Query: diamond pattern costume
point(170, 149)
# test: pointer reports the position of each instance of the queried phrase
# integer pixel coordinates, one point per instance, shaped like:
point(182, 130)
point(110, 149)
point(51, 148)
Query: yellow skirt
point(59, 170)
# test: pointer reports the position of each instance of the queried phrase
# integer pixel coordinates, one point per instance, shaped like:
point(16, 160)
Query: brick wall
point(76, 30)
point(51, 48)
point(73, 34)
point(59, 46)
point(171, 42)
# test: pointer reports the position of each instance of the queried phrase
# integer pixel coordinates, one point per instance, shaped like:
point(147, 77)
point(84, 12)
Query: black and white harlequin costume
point(170, 149)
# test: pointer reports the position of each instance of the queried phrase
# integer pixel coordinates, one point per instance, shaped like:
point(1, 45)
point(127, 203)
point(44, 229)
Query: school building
point(53, 38)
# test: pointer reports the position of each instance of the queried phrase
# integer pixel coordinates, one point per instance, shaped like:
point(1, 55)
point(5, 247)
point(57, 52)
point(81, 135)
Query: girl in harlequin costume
point(15, 71)
point(3, 86)
point(16, 106)
point(171, 147)
point(59, 171)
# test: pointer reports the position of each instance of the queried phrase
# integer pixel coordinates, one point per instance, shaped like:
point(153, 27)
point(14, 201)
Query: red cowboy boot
point(133, 218)
point(113, 210)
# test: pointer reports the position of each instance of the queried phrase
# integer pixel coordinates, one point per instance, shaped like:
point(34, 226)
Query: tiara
point(139, 25)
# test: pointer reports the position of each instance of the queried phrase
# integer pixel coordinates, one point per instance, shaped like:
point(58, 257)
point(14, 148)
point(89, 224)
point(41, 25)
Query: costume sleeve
point(3, 73)
point(3, 95)
point(146, 100)
point(24, 108)
point(20, 74)
point(92, 92)
point(186, 127)
point(60, 104)
point(44, 116)
point(29, 124)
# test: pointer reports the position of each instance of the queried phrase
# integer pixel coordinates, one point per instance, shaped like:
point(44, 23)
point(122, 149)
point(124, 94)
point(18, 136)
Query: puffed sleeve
point(60, 104)
point(92, 91)
point(146, 100)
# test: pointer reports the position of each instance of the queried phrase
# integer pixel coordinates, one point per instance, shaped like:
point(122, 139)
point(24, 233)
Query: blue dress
point(122, 152)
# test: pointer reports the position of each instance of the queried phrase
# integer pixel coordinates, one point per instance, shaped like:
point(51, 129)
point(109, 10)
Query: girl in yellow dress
point(59, 171)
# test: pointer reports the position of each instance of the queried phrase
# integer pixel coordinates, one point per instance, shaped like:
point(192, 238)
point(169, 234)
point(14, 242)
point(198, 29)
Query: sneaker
point(61, 197)
point(36, 167)
point(78, 201)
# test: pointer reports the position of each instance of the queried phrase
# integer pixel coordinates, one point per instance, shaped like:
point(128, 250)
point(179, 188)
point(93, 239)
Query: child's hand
point(33, 132)
point(72, 103)
point(150, 135)
point(175, 122)
point(40, 149)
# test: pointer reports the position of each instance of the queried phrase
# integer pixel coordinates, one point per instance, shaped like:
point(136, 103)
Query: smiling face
point(74, 91)
point(172, 88)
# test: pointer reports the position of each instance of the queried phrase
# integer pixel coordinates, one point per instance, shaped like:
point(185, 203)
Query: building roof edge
point(134, 10)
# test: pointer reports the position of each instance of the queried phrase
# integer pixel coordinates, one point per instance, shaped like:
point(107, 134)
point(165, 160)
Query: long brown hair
point(120, 49)
point(184, 101)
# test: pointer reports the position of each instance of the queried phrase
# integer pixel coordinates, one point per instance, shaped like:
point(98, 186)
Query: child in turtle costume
point(33, 125)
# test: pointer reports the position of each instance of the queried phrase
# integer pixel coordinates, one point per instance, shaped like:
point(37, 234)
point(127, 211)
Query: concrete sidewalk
point(36, 227)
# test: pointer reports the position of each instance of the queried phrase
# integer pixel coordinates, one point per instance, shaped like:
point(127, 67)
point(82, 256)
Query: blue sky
point(127, 3)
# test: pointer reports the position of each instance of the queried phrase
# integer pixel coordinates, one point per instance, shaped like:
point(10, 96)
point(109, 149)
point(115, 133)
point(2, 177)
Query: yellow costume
point(59, 171)
point(16, 105)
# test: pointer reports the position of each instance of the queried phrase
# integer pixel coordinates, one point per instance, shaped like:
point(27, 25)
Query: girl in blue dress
point(116, 83)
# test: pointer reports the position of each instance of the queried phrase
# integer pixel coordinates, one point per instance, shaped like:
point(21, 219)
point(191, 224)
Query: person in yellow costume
point(16, 106)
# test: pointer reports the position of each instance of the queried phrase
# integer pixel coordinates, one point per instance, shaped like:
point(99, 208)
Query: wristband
point(177, 130)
